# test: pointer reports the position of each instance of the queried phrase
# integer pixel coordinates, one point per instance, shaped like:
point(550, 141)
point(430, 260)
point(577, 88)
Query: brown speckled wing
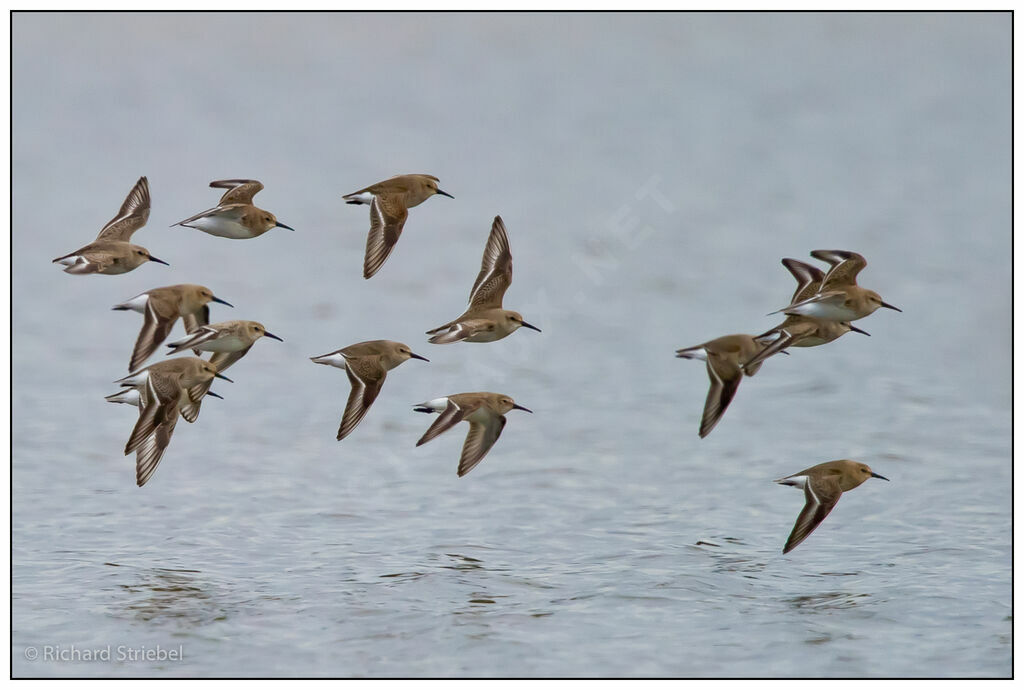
point(821, 495)
point(387, 218)
point(845, 267)
point(367, 377)
point(479, 441)
point(452, 415)
point(239, 191)
point(133, 214)
point(495, 269)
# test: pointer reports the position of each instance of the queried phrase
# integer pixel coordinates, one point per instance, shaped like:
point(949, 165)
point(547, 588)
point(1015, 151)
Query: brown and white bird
point(727, 361)
point(803, 331)
point(111, 253)
point(235, 216)
point(165, 389)
point(485, 413)
point(823, 485)
point(839, 298)
point(229, 341)
point(161, 307)
point(390, 202)
point(367, 365)
point(485, 320)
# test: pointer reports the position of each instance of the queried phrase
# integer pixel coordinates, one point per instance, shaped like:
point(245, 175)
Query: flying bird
point(839, 298)
point(235, 216)
point(161, 308)
point(165, 389)
point(229, 341)
point(367, 365)
point(111, 253)
point(390, 202)
point(485, 413)
point(823, 485)
point(727, 361)
point(803, 331)
point(485, 320)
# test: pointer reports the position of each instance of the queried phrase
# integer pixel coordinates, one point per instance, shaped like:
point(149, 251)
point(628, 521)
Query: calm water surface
point(652, 171)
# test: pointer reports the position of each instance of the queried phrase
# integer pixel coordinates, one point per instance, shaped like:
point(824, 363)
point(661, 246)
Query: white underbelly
point(828, 312)
point(231, 343)
point(222, 227)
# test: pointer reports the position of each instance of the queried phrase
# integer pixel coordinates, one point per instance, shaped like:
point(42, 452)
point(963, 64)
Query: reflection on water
point(179, 595)
point(405, 576)
point(826, 601)
point(465, 563)
point(730, 555)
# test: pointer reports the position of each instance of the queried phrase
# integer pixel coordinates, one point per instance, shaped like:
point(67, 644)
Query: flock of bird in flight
point(821, 310)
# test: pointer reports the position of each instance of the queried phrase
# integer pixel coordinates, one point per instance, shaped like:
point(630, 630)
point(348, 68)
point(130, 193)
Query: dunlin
point(165, 389)
point(727, 361)
point(161, 308)
point(235, 217)
point(134, 386)
point(823, 485)
point(803, 331)
point(839, 298)
point(229, 341)
point(133, 396)
point(111, 253)
point(485, 321)
point(390, 202)
point(367, 365)
point(485, 413)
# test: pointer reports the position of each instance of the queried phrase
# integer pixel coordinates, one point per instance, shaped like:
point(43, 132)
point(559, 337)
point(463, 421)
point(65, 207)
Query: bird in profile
point(802, 331)
point(367, 365)
point(111, 253)
point(235, 216)
point(229, 341)
point(161, 307)
point(727, 361)
point(134, 386)
point(133, 396)
point(485, 413)
point(390, 202)
point(823, 485)
point(485, 321)
point(839, 298)
point(164, 390)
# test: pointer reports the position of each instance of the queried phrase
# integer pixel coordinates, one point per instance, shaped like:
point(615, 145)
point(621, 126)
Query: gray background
point(652, 171)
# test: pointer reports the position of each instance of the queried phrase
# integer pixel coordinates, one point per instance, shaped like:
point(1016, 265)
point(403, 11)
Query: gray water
point(652, 171)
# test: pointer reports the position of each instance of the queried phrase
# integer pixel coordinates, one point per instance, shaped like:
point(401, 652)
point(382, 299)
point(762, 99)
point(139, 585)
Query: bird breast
point(227, 343)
